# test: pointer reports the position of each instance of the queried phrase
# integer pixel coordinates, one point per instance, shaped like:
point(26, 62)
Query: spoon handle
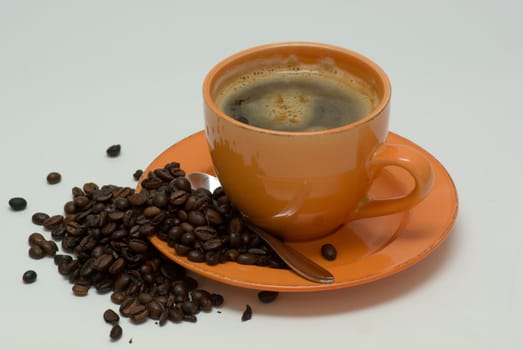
point(298, 262)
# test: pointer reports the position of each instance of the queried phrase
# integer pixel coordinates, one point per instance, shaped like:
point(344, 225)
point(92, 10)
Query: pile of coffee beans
point(104, 236)
point(198, 224)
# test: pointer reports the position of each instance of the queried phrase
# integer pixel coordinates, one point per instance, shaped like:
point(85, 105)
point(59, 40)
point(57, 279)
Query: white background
point(76, 77)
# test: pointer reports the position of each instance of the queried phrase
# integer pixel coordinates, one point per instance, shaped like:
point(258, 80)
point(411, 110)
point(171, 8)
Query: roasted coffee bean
point(182, 183)
point(188, 238)
point(111, 317)
point(36, 238)
point(58, 232)
point(36, 252)
point(29, 276)
point(213, 257)
point(196, 218)
point(247, 259)
point(138, 246)
point(196, 255)
point(17, 203)
point(103, 262)
point(190, 308)
point(328, 251)
point(140, 317)
point(212, 244)
point(116, 332)
point(176, 315)
point(266, 296)
point(155, 310)
point(163, 174)
point(62, 259)
point(80, 289)
point(117, 266)
point(204, 233)
point(247, 313)
point(178, 197)
point(50, 248)
point(216, 299)
point(53, 221)
point(213, 216)
point(138, 199)
point(137, 174)
point(39, 218)
point(151, 211)
point(118, 297)
point(53, 178)
point(113, 150)
point(164, 317)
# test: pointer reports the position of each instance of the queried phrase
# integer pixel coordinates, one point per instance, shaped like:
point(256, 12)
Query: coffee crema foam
point(295, 97)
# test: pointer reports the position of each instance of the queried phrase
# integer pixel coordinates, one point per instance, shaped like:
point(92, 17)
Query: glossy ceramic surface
point(304, 185)
point(368, 249)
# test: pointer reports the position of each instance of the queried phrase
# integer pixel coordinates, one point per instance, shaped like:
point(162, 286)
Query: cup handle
point(408, 158)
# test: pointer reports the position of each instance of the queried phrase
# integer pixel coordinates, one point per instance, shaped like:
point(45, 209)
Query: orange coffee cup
point(302, 185)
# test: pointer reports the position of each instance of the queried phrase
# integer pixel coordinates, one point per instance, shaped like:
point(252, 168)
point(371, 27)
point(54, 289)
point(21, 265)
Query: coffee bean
point(118, 297)
point(17, 203)
point(29, 276)
point(80, 290)
point(36, 252)
point(176, 315)
point(111, 317)
point(53, 178)
point(36, 238)
point(103, 262)
point(137, 174)
point(267, 296)
point(50, 248)
point(39, 218)
point(140, 317)
point(155, 309)
point(53, 221)
point(247, 313)
point(247, 259)
point(113, 151)
point(196, 255)
point(182, 183)
point(328, 251)
point(116, 332)
point(216, 299)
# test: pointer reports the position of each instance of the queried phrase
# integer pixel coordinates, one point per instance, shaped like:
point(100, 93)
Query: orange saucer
point(368, 249)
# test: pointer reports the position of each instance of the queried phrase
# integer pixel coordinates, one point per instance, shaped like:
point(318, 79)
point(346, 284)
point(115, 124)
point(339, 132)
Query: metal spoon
point(298, 262)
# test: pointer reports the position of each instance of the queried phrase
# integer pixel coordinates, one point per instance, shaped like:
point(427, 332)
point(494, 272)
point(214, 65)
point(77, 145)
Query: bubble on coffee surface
point(296, 98)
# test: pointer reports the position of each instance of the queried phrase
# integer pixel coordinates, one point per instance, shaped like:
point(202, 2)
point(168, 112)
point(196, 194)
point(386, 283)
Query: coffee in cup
point(289, 96)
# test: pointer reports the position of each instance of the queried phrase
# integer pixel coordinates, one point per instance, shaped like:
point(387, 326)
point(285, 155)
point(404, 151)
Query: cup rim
point(212, 75)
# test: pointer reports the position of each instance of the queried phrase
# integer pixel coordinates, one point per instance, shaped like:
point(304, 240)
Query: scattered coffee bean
point(53, 178)
point(104, 236)
point(39, 218)
point(137, 174)
point(29, 276)
point(328, 251)
point(17, 203)
point(247, 313)
point(116, 333)
point(111, 317)
point(80, 290)
point(36, 252)
point(114, 150)
point(267, 296)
